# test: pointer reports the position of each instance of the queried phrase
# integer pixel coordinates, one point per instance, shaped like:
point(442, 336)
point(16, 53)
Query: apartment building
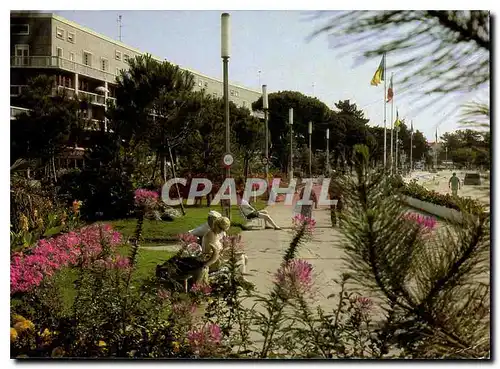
point(83, 62)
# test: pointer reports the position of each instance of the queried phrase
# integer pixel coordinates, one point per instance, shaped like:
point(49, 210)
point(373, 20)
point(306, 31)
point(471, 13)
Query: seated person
point(251, 213)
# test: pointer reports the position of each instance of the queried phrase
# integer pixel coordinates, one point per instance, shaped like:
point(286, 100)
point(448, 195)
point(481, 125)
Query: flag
point(390, 92)
point(379, 74)
point(397, 123)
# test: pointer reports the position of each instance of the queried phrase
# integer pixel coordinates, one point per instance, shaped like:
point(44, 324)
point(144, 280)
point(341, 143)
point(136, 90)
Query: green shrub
point(417, 191)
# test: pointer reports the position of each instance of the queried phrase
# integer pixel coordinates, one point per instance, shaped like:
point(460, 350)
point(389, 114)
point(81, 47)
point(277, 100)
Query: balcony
point(60, 63)
point(15, 90)
point(15, 111)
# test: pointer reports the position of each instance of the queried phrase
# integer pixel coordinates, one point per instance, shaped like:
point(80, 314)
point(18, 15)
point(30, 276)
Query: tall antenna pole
point(385, 113)
point(411, 147)
point(119, 28)
point(392, 124)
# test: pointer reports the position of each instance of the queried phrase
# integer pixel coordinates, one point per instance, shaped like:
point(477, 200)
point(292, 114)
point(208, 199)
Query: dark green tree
point(52, 123)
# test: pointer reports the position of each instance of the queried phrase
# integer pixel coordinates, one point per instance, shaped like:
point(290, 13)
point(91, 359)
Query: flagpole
point(396, 148)
point(411, 147)
point(392, 123)
point(385, 112)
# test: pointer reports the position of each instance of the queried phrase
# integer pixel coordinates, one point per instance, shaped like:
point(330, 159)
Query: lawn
point(159, 233)
point(146, 266)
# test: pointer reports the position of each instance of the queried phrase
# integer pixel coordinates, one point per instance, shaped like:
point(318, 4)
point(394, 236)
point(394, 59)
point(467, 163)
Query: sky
point(274, 43)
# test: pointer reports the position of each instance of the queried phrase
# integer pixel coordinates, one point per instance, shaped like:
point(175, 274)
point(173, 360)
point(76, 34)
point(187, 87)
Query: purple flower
point(295, 276)
point(299, 220)
point(201, 287)
point(145, 198)
point(204, 340)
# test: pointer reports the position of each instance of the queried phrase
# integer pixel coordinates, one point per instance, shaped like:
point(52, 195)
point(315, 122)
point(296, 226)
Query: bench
point(260, 221)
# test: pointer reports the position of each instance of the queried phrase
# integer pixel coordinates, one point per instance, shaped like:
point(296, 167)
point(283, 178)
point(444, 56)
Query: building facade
point(83, 62)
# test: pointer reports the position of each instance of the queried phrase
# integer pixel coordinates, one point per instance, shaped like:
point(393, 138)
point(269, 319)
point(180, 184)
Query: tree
point(451, 47)
point(52, 123)
point(433, 284)
point(155, 104)
point(305, 109)
point(350, 128)
point(467, 147)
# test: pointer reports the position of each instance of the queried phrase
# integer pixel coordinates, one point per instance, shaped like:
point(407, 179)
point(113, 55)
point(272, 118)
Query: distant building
point(84, 63)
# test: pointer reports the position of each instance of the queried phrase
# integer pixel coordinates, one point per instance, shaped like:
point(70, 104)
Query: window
point(87, 58)
point(118, 55)
point(71, 37)
point(60, 33)
point(244, 104)
point(72, 56)
point(22, 53)
point(104, 64)
point(126, 57)
point(20, 29)
point(236, 93)
point(214, 94)
point(117, 71)
point(206, 84)
point(200, 83)
point(59, 52)
point(232, 92)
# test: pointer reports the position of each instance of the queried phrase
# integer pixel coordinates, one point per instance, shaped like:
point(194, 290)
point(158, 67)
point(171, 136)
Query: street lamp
point(310, 148)
point(328, 150)
point(265, 106)
point(290, 120)
point(225, 29)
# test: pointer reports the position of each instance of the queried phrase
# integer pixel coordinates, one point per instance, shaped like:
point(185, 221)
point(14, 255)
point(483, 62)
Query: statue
point(185, 268)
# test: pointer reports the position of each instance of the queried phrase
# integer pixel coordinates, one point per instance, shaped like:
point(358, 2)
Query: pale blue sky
point(275, 43)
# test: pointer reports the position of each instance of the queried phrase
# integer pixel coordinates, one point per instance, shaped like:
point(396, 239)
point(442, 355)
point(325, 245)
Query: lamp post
point(225, 64)
point(328, 150)
point(290, 119)
point(265, 106)
point(310, 148)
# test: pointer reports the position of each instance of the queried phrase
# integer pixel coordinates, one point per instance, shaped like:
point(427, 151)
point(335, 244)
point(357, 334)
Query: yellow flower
point(24, 223)
point(102, 344)
point(18, 318)
point(24, 326)
point(13, 335)
point(176, 346)
point(45, 335)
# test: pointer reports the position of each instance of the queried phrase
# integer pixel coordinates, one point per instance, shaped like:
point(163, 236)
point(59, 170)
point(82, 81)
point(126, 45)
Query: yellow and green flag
point(397, 123)
point(379, 74)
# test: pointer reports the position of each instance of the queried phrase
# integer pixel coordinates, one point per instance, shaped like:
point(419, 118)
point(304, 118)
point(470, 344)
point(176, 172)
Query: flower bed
point(415, 191)
point(28, 269)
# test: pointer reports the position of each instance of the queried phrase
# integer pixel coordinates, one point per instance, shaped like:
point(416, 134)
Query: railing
point(15, 90)
point(15, 111)
point(93, 98)
point(57, 62)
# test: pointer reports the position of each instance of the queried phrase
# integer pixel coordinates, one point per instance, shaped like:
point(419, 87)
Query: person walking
point(335, 193)
point(454, 184)
point(306, 209)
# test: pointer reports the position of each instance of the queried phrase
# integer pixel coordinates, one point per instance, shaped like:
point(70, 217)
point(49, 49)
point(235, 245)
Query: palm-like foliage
point(476, 115)
point(438, 51)
point(434, 288)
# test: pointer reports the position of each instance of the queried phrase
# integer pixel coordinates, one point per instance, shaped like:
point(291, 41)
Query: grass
point(146, 267)
point(159, 233)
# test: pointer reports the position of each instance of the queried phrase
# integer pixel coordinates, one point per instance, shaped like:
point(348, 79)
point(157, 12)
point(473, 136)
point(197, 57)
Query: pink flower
point(50, 255)
point(205, 339)
point(187, 238)
point(299, 220)
point(145, 198)
point(295, 276)
point(201, 287)
point(364, 304)
point(427, 224)
point(163, 294)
